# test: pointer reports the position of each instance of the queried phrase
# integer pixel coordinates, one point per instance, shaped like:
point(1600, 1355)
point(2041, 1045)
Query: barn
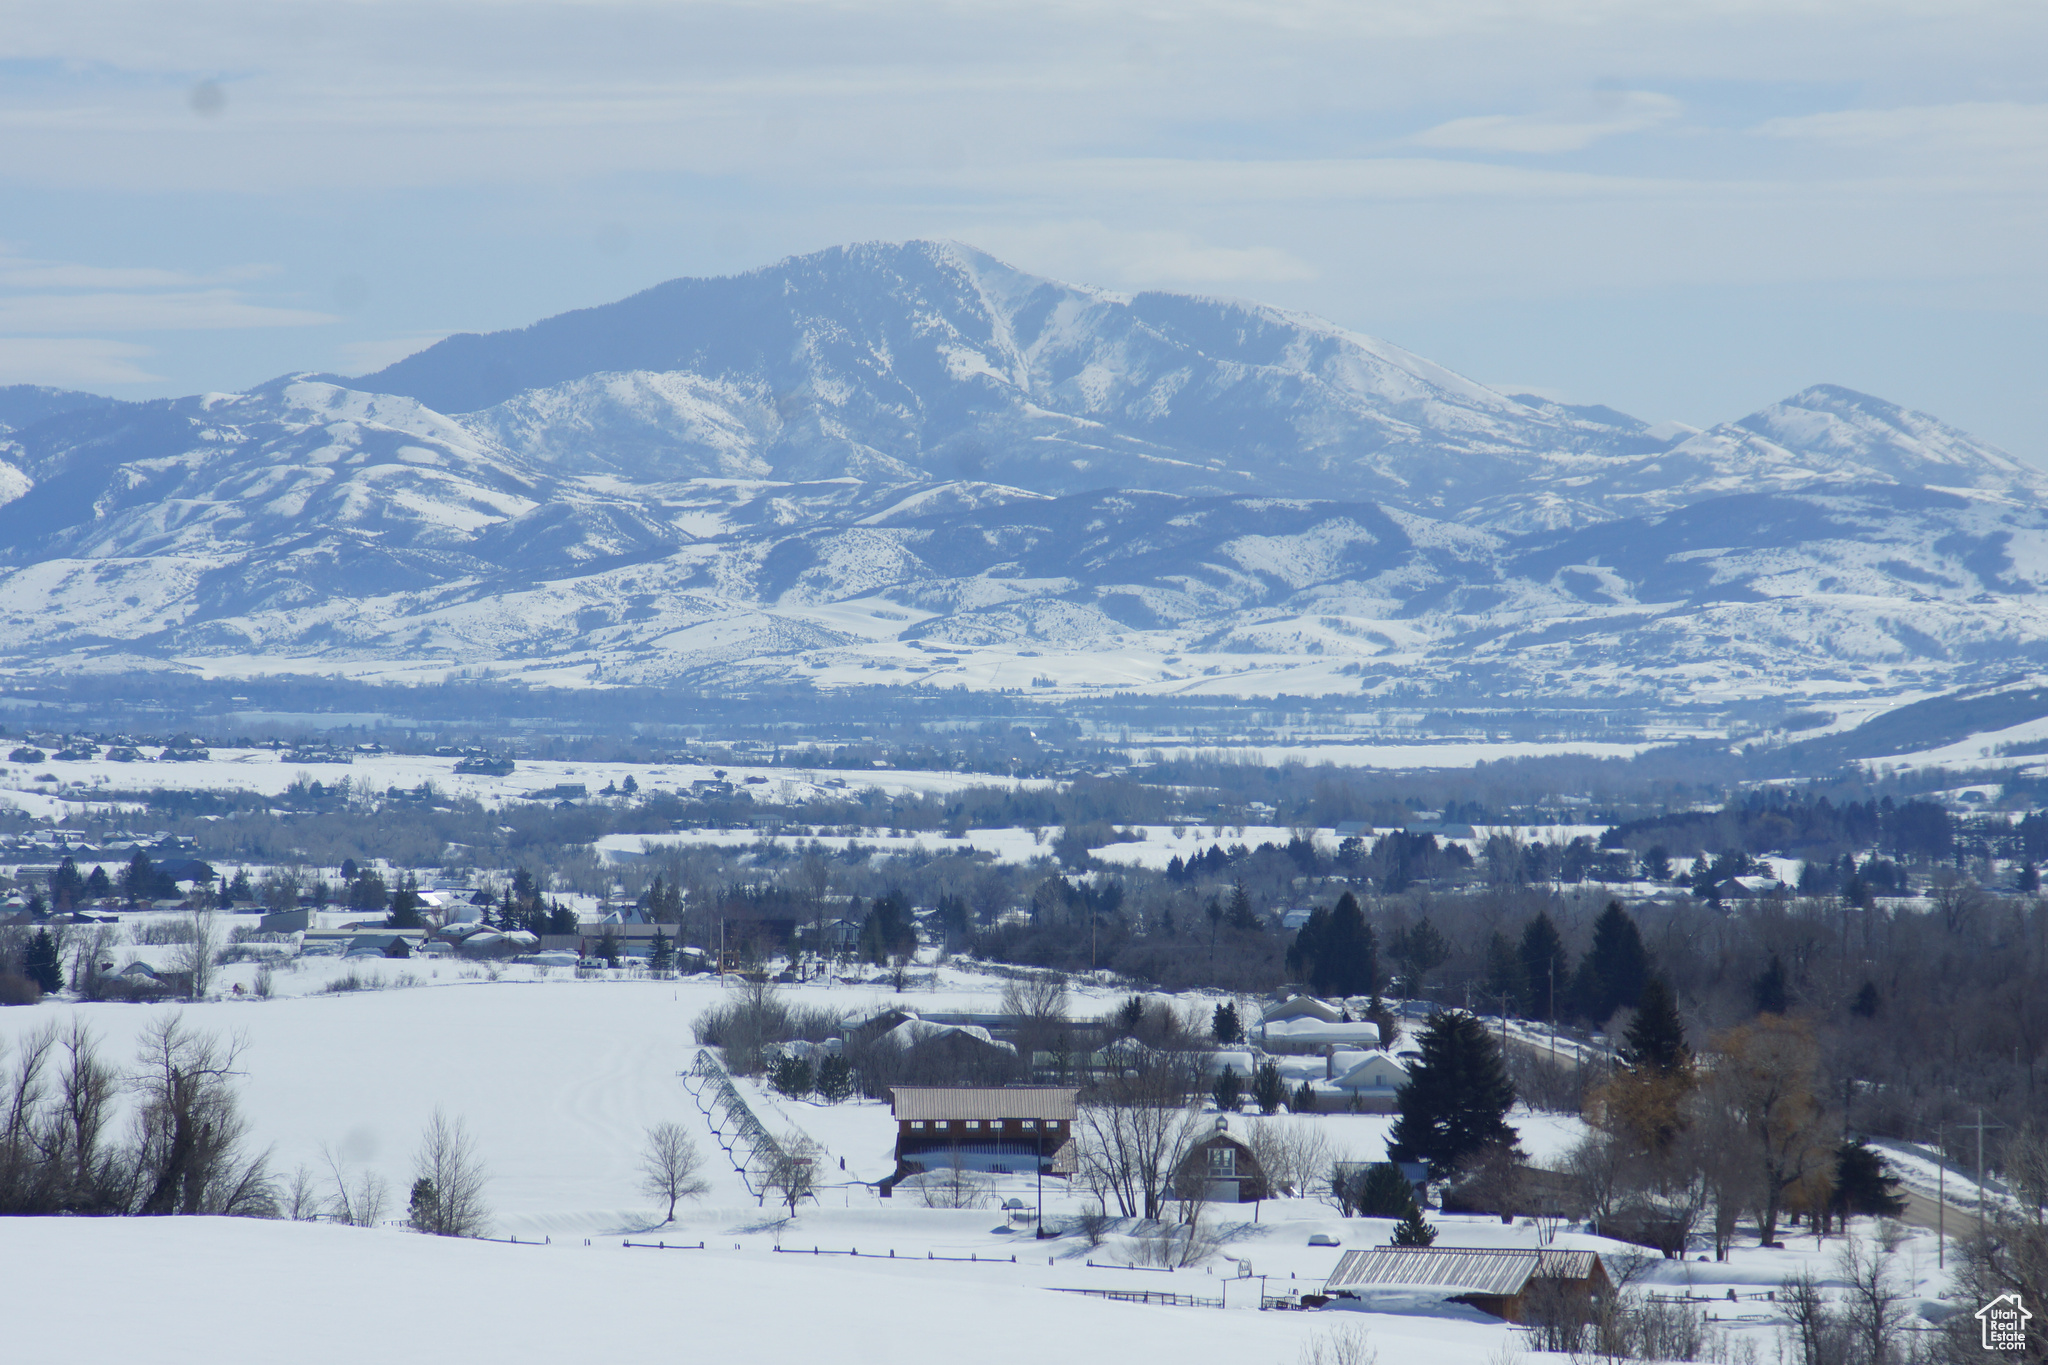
point(1496, 1280)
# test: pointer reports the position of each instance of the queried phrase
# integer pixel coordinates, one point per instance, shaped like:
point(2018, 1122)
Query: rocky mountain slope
point(914, 461)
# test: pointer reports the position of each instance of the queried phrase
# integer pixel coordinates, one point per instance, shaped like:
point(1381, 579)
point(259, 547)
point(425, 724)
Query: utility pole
point(1980, 1125)
point(1553, 1013)
point(1940, 1200)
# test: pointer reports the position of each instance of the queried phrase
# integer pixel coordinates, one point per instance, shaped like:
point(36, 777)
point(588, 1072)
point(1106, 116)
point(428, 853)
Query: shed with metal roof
point(1495, 1280)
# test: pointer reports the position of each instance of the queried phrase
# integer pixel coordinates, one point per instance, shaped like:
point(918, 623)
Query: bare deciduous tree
point(953, 1186)
point(792, 1174)
point(300, 1202)
point(1135, 1135)
point(1294, 1153)
point(360, 1203)
point(668, 1166)
point(1347, 1345)
point(199, 956)
point(453, 1177)
point(187, 1150)
point(1765, 1079)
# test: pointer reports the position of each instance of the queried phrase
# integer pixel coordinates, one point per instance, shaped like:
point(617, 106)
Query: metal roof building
point(983, 1102)
point(1452, 1270)
point(1494, 1280)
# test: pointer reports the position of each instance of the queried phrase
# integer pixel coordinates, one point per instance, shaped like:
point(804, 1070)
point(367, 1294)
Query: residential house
point(1368, 1081)
point(1306, 1033)
point(1301, 1007)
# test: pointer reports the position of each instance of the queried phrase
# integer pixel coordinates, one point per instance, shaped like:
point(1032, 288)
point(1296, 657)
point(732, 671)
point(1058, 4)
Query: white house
point(1307, 1033)
point(1372, 1082)
point(1301, 1007)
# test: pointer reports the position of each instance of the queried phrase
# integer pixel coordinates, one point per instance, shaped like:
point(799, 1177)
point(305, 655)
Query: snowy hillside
point(914, 463)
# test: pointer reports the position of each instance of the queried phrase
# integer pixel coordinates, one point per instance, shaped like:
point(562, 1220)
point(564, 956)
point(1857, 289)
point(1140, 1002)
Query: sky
point(1685, 209)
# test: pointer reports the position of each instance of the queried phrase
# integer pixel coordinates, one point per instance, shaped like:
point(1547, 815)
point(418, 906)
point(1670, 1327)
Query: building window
point(1223, 1161)
point(917, 1123)
point(1030, 1124)
point(973, 1124)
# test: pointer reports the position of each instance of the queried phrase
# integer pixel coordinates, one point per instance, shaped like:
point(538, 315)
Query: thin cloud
point(186, 311)
point(1985, 126)
point(1541, 134)
point(72, 362)
point(1092, 250)
point(24, 274)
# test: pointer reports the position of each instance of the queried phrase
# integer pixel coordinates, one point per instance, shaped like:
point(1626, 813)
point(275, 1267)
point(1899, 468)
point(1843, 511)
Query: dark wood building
point(1222, 1168)
point(1020, 1129)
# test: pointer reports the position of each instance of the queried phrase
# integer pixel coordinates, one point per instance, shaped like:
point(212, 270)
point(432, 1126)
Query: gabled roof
point(1450, 1269)
point(1301, 1006)
point(1362, 1071)
point(1459, 1270)
point(983, 1102)
point(1321, 1031)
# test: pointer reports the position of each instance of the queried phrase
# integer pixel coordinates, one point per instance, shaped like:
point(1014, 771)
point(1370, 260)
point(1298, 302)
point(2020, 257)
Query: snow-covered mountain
point(883, 461)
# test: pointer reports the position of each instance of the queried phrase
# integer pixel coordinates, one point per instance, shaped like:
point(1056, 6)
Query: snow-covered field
point(263, 770)
point(557, 1080)
point(1444, 753)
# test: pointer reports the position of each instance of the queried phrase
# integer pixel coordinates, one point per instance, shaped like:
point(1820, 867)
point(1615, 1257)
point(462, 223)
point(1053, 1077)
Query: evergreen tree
point(1385, 1192)
point(1419, 949)
point(1228, 1091)
point(1411, 1231)
point(1657, 864)
point(1505, 982)
point(791, 1076)
point(1865, 1005)
point(835, 1078)
point(1612, 975)
point(1304, 1099)
point(1456, 1098)
point(99, 886)
point(405, 905)
point(888, 930)
point(1864, 1184)
point(1336, 952)
point(661, 959)
point(1240, 914)
point(138, 879)
point(608, 946)
point(561, 919)
point(1224, 1026)
point(1773, 996)
point(1545, 968)
point(423, 1210)
point(368, 891)
point(1130, 1016)
point(1269, 1092)
point(40, 964)
point(1655, 1040)
point(241, 889)
point(67, 888)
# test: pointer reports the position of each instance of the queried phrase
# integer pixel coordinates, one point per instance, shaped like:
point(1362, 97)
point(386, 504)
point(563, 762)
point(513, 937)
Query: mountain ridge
point(863, 460)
